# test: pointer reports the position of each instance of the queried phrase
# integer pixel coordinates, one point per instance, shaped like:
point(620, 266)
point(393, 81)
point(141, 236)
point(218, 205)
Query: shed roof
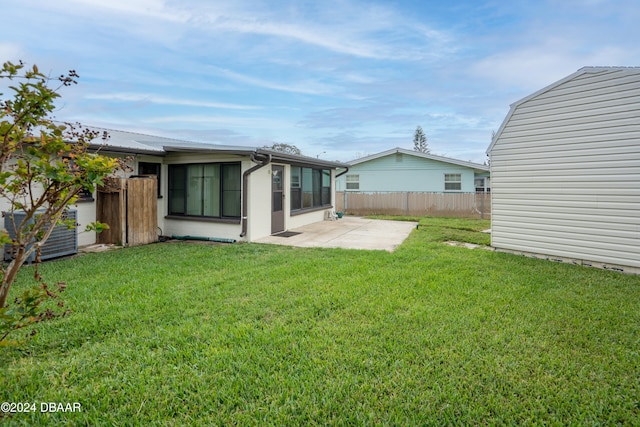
point(428, 156)
point(580, 72)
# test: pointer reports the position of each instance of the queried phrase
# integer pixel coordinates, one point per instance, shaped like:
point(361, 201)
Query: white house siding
point(197, 227)
point(259, 203)
point(565, 170)
point(85, 211)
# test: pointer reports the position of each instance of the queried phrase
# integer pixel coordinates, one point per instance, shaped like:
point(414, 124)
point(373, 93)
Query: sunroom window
point(310, 188)
point(209, 190)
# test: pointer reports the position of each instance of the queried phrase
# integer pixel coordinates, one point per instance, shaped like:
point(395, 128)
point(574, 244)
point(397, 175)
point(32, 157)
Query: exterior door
point(277, 199)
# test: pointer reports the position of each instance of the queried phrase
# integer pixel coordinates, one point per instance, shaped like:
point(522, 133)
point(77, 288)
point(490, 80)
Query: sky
point(339, 79)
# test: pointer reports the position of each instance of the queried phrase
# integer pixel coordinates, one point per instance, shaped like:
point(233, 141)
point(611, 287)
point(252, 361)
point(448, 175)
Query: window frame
point(448, 181)
point(218, 188)
point(353, 181)
point(85, 195)
point(315, 186)
point(480, 188)
point(157, 172)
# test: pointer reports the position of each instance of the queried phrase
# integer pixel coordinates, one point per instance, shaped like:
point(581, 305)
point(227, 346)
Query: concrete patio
point(348, 232)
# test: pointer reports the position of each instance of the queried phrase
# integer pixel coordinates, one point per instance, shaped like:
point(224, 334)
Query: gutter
point(346, 169)
point(114, 149)
point(299, 160)
point(266, 159)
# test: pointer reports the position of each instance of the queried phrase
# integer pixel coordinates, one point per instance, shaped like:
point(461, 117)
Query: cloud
point(230, 122)
point(155, 9)
point(309, 86)
point(364, 30)
point(344, 75)
point(530, 68)
point(10, 51)
point(155, 99)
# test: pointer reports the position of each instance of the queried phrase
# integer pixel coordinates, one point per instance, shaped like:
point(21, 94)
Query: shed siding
point(565, 171)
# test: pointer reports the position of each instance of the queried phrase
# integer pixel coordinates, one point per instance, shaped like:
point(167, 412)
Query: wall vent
point(62, 241)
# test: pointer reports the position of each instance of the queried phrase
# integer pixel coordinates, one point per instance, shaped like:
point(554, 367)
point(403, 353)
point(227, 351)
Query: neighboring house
point(565, 171)
point(217, 191)
point(401, 170)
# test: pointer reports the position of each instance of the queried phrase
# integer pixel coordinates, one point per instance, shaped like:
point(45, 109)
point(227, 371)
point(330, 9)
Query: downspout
point(245, 187)
point(344, 192)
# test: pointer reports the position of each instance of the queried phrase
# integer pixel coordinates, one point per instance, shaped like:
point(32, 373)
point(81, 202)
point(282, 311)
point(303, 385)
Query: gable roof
point(428, 156)
point(136, 143)
point(580, 72)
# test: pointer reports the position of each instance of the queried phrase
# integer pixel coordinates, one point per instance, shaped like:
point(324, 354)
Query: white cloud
point(309, 87)
point(10, 51)
point(366, 70)
point(155, 9)
point(246, 123)
point(155, 99)
point(344, 27)
point(533, 67)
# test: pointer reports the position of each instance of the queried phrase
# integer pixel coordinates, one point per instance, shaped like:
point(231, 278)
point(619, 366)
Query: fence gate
point(130, 207)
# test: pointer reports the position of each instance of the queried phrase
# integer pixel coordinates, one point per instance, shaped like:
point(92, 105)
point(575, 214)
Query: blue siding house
point(401, 170)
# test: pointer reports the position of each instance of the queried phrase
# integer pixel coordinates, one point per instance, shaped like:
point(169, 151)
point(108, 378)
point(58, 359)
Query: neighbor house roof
point(414, 153)
point(137, 143)
point(581, 71)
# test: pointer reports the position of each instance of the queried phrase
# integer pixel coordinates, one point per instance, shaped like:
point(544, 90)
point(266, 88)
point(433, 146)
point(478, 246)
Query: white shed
point(565, 171)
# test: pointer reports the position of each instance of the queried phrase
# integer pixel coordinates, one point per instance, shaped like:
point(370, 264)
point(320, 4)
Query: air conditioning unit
point(62, 241)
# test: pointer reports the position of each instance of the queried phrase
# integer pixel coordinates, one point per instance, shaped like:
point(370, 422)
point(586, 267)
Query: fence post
point(407, 205)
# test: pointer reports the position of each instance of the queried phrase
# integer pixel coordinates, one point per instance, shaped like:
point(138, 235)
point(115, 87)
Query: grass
point(249, 334)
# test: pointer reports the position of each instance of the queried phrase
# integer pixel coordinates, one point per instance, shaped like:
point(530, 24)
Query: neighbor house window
point(310, 188)
point(150, 169)
point(452, 182)
point(209, 190)
point(480, 185)
point(353, 182)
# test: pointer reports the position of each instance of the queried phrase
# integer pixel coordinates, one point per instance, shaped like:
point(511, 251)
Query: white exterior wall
point(259, 208)
point(565, 170)
point(259, 202)
point(86, 214)
point(190, 226)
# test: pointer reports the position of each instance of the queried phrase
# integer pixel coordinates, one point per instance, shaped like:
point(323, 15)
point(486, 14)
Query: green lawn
point(248, 334)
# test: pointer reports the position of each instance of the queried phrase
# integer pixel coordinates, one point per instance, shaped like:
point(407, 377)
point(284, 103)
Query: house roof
point(580, 72)
point(136, 143)
point(429, 156)
point(129, 142)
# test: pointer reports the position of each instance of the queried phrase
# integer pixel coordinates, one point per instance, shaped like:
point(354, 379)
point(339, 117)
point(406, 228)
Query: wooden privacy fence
point(467, 205)
point(130, 207)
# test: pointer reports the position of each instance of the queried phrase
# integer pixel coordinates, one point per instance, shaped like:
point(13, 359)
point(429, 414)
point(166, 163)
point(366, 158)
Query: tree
point(420, 141)
point(43, 167)
point(284, 148)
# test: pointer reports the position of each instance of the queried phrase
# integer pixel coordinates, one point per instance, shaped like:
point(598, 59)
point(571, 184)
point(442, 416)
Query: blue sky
point(338, 79)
